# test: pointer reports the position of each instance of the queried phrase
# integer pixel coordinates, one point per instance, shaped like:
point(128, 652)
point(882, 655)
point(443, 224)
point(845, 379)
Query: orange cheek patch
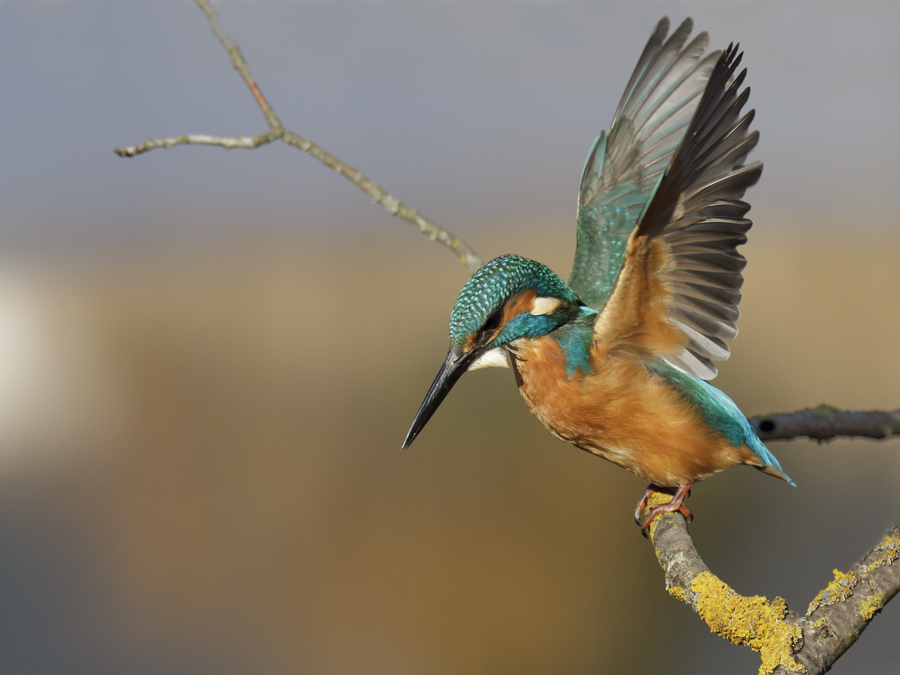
point(518, 304)
point(470, 342)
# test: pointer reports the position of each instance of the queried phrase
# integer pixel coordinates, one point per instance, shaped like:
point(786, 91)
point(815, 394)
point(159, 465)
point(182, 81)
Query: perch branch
point(463, 252)
point(786, 641)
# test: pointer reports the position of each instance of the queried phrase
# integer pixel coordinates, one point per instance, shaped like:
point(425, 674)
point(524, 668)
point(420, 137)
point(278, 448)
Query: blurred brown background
point(208, 360)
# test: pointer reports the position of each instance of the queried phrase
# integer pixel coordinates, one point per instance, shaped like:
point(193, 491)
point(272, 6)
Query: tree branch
point(247, 142)
point(239, 63)
point(786, 641)
point(826, 423)
point(463, 252)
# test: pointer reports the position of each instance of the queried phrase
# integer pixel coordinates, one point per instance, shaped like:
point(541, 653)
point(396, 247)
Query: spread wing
point(623, 169)
point(677, 292)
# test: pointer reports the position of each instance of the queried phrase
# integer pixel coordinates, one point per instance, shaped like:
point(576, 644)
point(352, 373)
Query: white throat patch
point(493, 358)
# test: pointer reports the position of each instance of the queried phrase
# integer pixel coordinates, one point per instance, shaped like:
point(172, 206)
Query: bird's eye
point(493, 322)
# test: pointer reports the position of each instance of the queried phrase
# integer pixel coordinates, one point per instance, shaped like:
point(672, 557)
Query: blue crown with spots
point(491, 286)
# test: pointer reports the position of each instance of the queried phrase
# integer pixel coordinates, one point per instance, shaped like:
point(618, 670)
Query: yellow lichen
point(658, 498)
point(751, 621)
point(871, 606)
point(889, 548)
point(819, 623)
point(837, 591)
point(677, 592)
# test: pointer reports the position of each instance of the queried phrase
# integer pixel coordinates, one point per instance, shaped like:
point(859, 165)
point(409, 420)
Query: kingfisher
point(617, 361)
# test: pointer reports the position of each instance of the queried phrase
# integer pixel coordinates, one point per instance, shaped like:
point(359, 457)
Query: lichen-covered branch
point(464, 253)
point(751, 621)
point(786, 641)
point(839, 613)
point(826, 423)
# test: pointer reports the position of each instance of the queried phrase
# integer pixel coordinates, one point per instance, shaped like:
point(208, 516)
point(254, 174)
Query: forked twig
point(787, 642)
point(464, 253)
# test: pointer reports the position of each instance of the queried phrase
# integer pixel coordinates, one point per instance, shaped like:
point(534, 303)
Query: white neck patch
point(493, 358)
point(542, 306)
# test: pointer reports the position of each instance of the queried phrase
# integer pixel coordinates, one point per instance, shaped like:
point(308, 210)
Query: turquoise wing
point(623, 169)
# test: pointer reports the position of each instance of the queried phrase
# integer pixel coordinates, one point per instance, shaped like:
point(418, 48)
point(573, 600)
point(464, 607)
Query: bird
point(618, 360)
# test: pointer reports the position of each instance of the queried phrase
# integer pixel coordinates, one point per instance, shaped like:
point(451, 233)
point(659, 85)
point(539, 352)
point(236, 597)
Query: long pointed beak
point(453, 368)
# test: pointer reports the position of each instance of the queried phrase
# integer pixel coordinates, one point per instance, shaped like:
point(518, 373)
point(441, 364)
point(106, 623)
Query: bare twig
point(239, 63)
point(464, 253)
point(247, 142)
point(826, 423)
point(786, 641)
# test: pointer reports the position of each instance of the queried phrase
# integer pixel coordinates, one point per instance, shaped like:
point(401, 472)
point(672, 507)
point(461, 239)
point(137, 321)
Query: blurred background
point(208, 359)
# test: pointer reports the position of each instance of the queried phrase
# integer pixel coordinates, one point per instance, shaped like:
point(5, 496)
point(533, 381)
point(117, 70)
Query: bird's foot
point(651, 490)
point(669, 507)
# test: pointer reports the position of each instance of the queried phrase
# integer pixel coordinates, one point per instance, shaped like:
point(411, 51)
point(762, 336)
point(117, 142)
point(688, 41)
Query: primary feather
point(698, 212)
point(672, 168)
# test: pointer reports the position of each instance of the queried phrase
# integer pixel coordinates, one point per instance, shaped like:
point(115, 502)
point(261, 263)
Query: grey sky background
point(473, 112)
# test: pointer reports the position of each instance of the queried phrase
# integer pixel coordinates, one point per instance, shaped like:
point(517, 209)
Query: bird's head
point(509, 299)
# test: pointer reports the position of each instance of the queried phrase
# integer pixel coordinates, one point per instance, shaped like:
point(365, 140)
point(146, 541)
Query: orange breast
point(622, 413)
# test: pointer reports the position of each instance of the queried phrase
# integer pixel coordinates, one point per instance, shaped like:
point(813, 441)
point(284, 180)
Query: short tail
point(765, 460)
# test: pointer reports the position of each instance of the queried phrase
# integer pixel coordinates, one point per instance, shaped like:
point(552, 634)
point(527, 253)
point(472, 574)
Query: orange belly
point(624, 414)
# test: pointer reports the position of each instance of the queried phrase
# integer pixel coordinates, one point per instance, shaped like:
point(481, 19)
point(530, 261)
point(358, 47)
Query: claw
point(674, 505)
point(642, 504)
